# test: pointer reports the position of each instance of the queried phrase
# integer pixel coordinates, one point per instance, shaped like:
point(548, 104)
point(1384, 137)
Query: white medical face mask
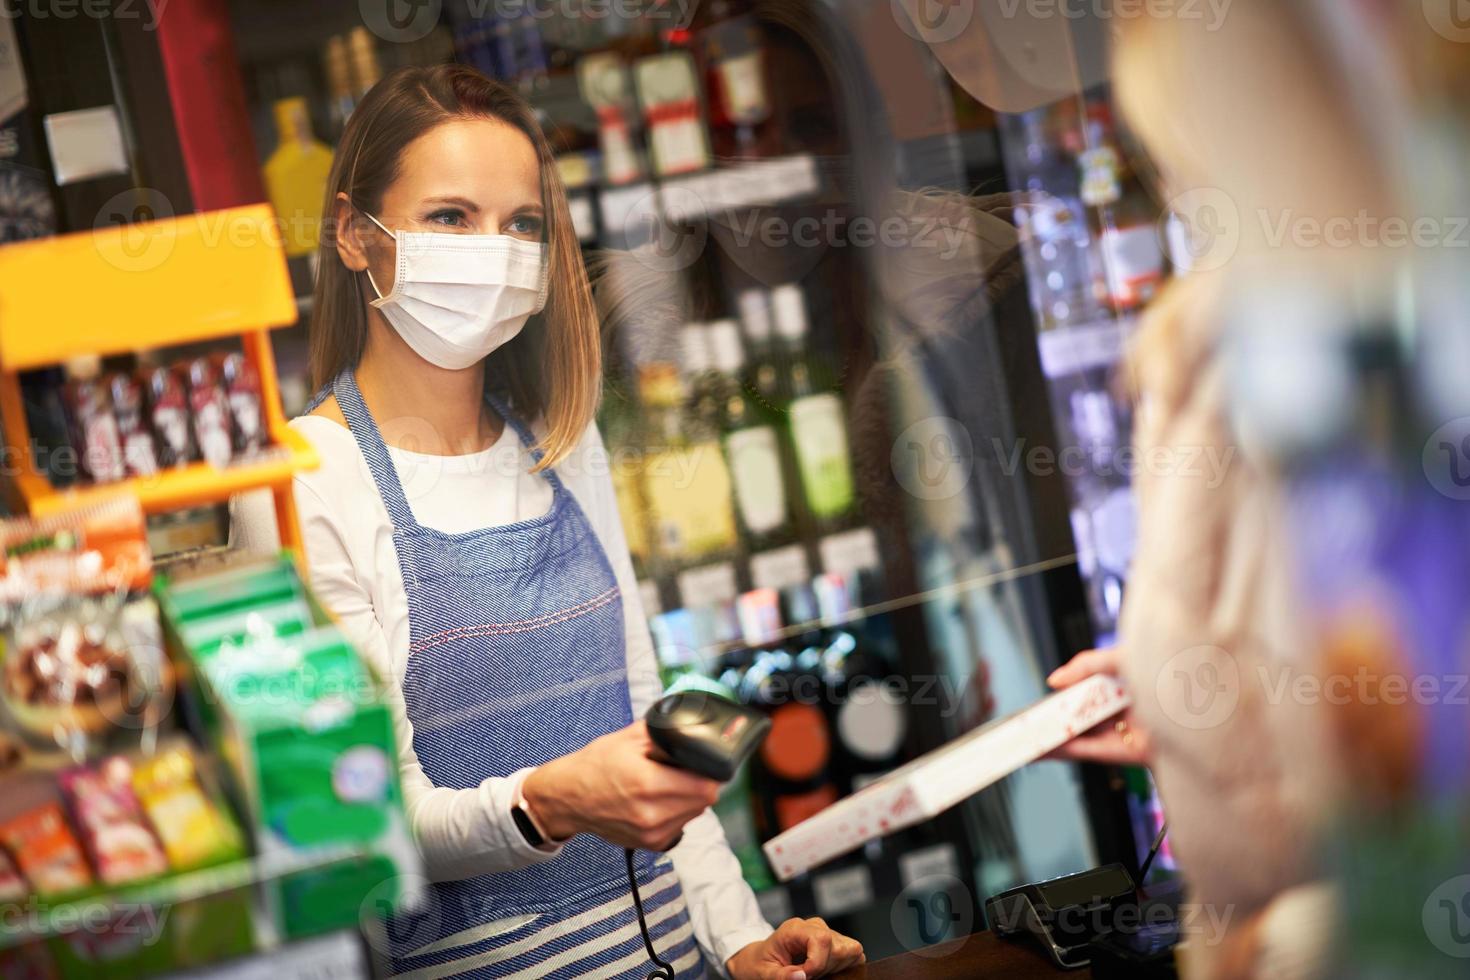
point(456, 298)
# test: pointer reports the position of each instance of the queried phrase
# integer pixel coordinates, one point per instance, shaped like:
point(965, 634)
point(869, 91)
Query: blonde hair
point(553, 369)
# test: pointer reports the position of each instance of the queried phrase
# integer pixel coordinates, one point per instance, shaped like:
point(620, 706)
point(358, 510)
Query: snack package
point(47, 852)
point(194, 830)
point(168, 416)
point(140, 457)
point(93, 431)
point(102, 548)
point(208, 409)
point(111, 822)
point(13, 887)
point(242, 391)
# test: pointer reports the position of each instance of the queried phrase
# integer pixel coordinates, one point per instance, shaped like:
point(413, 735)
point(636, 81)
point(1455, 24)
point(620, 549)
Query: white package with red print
point(932, 783)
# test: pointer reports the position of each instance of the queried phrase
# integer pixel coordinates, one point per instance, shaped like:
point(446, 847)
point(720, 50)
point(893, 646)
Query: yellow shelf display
point(155, 284)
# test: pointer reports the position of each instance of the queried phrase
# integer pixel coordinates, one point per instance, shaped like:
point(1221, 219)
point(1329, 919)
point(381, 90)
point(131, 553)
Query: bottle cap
point(789, 306)
point(725, 346)
point(694, 348)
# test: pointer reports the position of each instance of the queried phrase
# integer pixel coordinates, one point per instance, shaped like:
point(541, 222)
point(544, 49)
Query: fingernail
point(799, 975)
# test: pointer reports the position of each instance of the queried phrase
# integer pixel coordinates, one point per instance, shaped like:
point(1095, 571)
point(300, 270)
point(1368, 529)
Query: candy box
point(305, 729)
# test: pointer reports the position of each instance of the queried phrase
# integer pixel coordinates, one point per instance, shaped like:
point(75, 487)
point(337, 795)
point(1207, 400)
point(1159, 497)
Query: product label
point(937, 860)
point(850, 551)
point(779, 568)
point(839, 892)
point(361, 775)
point(755, 466)
point(820, 436)
point(711, 585)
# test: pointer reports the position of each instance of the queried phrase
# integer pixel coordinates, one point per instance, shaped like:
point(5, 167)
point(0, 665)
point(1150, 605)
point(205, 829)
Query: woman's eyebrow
point(463, 202)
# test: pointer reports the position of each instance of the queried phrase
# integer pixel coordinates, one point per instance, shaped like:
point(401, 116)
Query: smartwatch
point(520, 812)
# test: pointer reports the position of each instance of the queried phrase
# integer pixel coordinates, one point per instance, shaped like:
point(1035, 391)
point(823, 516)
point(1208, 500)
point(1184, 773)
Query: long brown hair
point(553, 369)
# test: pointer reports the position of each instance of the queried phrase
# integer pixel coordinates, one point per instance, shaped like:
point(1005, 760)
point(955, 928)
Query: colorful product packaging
point(209, 410)
point(303, 723)
point(47, 852)
point(168, 416)
point(195, 829)
point(111, 822)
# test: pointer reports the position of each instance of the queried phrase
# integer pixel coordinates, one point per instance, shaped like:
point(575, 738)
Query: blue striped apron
point(516, 657)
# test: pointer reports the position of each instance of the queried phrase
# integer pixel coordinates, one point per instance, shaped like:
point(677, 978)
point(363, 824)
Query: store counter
point(981, 955)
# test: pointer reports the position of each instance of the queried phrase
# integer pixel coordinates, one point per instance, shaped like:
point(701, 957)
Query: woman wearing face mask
point(463, 528)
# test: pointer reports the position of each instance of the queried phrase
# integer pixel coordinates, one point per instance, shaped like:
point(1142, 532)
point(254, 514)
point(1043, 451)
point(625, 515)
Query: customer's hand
point(1119, 741)
point(612, 787)
point(799, 950)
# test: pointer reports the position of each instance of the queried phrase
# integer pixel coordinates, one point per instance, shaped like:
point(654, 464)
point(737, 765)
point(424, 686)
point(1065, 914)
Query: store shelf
point(189, 486)
point(688, 198)
point(62, 917)
point(152, 284)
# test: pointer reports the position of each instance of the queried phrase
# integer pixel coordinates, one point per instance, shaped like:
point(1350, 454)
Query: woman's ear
point(351, 248)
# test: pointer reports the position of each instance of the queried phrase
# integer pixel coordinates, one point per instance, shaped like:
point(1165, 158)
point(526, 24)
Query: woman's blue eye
point(452, 217)
point(526, 225)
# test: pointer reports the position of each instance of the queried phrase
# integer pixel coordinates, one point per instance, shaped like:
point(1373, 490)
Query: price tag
point(583, 220)
point(775, 905)
point(628, 209)
point(840, 892)
point(780, 567)
point(648, 592)
point(709, 585)
point(937, 860)
point(850, 551)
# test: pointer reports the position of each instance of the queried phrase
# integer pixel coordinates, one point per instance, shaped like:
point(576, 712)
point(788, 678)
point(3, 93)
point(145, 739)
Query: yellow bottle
point(296, 177)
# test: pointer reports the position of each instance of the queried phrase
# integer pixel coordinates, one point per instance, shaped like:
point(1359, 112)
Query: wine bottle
point(815, 414)
point(751, 444)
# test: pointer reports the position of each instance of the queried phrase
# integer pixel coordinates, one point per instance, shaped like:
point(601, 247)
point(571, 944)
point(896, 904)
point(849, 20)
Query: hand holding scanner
point(709, 736)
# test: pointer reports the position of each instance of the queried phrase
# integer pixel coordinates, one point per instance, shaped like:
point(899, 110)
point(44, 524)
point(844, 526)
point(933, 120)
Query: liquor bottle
point(338, 70)
point(700, 382)
point(731, 52)
point(763, 372)
point(619, 424)
point(362, 58)
point(606, 85)
point(751, 444)
point(668, 92)
point(815, 412)
point(296, 177)
point(1124, 218)
point(1056, 248)
point(684, 474)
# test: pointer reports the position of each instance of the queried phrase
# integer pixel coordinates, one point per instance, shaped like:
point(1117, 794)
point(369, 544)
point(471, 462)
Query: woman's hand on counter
point(1119, 741)
point(799, 950)
point(612, 787)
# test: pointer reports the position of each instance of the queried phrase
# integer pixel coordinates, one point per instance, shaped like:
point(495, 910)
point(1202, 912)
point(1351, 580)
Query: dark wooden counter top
point(980, 955)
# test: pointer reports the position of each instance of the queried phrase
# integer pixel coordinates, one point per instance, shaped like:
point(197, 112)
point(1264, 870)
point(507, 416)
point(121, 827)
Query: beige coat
point(1209, 633)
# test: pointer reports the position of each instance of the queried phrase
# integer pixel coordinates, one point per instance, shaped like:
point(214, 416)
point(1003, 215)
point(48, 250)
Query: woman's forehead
point(482, 159)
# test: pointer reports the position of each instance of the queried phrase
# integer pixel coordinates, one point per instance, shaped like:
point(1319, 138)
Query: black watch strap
point(527, 826)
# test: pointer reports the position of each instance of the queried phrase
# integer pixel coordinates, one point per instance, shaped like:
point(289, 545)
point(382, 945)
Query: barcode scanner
point(707, 735)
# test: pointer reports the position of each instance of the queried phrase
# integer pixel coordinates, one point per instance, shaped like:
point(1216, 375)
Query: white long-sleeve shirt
point(354, 571)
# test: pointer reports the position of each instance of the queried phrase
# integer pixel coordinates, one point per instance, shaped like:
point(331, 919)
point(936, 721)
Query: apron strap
point(527, 438)
point(374, 450)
